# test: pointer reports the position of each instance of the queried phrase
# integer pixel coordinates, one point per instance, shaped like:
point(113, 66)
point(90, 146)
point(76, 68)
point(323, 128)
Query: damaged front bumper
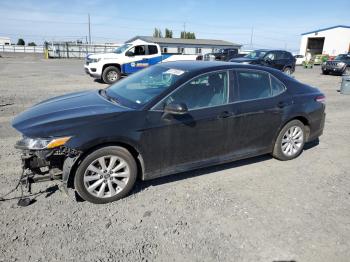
point(47, 165)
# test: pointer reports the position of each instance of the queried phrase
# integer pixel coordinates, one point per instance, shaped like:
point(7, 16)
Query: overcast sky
point(275, 23)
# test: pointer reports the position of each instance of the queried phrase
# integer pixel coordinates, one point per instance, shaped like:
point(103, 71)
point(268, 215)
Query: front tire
point(325, 72)
point(111, 75)
point(290, 141)
point(106, 175)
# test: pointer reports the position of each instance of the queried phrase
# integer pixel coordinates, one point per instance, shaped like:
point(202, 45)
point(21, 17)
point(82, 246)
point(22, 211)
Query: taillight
point(321, 99)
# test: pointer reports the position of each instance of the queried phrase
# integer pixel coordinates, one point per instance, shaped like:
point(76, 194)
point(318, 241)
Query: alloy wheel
point(106, 176)
point(112, 76)
point(292, 141)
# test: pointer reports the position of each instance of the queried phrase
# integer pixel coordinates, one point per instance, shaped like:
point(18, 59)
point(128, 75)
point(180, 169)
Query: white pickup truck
point(127, 59)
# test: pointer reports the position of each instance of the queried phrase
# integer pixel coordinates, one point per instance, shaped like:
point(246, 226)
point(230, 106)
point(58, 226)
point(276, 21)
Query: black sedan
point(166, 119)
point(278, 59)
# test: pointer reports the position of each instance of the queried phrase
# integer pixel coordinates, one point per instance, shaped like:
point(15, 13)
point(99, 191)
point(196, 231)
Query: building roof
point(181, 41)
point(327, 28)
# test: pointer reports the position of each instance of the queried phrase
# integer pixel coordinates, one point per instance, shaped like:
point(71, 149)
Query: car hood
point(243, 59)
point(60, 115)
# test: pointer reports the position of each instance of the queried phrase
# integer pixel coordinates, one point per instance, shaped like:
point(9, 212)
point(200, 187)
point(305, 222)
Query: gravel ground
point(258, 209)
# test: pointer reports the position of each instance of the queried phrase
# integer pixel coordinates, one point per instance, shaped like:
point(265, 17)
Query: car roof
point(269, 50)
point(199, 66)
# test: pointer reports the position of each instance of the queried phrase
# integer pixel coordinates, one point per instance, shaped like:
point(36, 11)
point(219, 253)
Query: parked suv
point(224, 54)
point(278, 59)
point(340, 65)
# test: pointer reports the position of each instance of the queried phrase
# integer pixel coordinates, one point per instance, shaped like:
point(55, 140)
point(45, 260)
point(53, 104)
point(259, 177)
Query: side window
point(280, 55)
point(287, 55)
point(204, 91)
point(138, 50)
point(276, 86)
point(152, 49)
point(270, 56)
point(253, 85)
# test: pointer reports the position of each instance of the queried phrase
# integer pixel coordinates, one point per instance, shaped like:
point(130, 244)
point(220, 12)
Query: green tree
point(157, 33)
point(188, 35)
point(21, 42)
point(168, 33)
point(31, 44)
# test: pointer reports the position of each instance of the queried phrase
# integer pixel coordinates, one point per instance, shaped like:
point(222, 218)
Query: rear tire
point(111, 75)
point(106, 175)
point(347, 71)
point(290, 141)
point(287, 71)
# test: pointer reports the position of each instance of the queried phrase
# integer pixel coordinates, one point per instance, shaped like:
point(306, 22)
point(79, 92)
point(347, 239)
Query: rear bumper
point(317, 132)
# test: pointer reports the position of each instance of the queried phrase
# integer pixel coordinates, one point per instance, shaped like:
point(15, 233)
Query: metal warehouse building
point(187, 46)
point(5, 40)
point(331, 41)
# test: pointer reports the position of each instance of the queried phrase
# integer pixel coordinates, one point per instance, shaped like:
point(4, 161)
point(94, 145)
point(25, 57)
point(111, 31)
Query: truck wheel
point(107, 174)
point(111, 75)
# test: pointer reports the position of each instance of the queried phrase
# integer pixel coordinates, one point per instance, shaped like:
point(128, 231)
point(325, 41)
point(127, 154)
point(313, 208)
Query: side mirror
point(129, 53)
point(176, 109)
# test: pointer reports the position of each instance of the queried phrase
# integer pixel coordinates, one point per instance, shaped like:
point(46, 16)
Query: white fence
point(72, 50)
point(22, 49)
point(60, 50)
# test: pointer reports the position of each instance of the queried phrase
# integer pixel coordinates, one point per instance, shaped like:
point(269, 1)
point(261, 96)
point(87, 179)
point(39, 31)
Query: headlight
point(341, 64)
point(41, 143)
point(95, 60)
point(324, 63)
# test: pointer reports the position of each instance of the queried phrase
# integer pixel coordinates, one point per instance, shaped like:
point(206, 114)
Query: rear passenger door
point(260, 103)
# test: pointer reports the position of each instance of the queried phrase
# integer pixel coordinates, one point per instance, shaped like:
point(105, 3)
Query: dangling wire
point(2, 198)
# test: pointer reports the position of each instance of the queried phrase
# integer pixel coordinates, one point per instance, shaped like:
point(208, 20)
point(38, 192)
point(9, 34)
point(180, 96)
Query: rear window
point(276, 86)
point(152, 49)
point(257, 85)
point(253, 85)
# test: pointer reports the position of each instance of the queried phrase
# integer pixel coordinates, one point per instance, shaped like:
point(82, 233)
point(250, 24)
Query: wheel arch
point(132, 149)
point(111, 64)
point(302, 119)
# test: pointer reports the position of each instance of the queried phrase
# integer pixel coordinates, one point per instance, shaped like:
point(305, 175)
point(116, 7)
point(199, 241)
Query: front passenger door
point(196, 137)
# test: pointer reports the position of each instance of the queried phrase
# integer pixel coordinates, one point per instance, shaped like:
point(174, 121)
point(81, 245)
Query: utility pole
point(89, 29)
point(251, 38)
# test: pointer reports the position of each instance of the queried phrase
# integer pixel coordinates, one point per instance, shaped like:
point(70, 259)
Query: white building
point(188, 46)
point(5, 40)
point(331, 41)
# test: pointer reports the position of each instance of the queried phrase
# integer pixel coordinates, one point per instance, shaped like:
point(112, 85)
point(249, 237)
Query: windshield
point(256, 54)
point(122, 48)
point(138, 89)
point(342, 57)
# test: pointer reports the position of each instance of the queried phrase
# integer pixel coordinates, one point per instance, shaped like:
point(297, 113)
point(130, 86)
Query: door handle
point(225, 114)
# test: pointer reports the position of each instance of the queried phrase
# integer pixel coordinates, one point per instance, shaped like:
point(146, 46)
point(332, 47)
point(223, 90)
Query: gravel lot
point(259, 209)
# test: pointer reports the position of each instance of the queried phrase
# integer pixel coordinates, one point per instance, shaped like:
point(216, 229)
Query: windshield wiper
point(103, 93)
